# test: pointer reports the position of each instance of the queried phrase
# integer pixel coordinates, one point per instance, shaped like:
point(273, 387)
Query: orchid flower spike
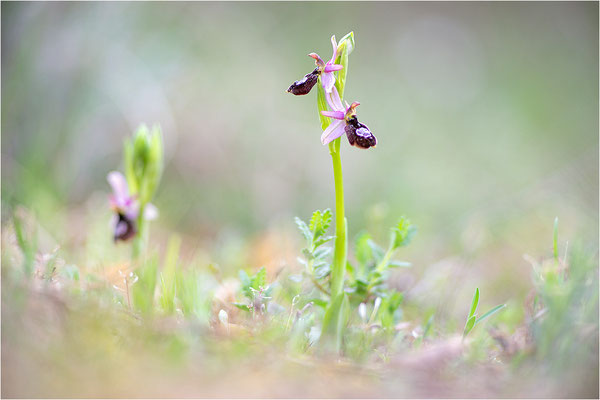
point(325, 70)
point(126, 208)
point(358, 134)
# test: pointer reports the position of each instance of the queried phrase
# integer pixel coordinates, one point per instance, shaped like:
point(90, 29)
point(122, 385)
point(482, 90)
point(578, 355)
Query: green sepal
point(129, 170)
point(154, 164)
point(143, 157)
point(348, 42)
point(322, 105)
point(345, 47)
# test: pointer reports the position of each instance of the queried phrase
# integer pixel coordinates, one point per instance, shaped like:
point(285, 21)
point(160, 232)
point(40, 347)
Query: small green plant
point(256, 291)
point(472, 319)
point(368, 277)
point(315, 260)
point(367, 280)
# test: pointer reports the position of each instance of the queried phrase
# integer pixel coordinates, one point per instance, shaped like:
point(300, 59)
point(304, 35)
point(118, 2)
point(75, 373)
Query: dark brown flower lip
point(359, 135)
point(125, 228)
point(304, 85)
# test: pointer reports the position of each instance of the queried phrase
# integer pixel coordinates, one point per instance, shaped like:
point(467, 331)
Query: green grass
point(68, 331)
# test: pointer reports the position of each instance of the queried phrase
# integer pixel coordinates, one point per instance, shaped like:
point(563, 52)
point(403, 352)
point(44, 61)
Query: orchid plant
point(331, 79)
point(133, 191)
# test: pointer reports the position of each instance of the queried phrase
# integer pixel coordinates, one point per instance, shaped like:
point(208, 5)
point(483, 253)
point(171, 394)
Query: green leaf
point(242, 306)
point(469, 325)
point(323, 240)
point(378, 252)
point(320, 222)
point(167, 295)
point(490, 313)
point(318, 302)
point(321, 270)
point(403, 233)
point(350, 270)
point(322, 252)
point(259, 281)
point(363, 251)
point(246, 283)
point(303, 229)
point(474, 303)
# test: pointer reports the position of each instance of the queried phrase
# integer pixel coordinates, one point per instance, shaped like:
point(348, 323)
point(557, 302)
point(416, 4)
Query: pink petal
point(132, 210)
point(328, 81)
point(333, 131)
point(119, 187)
point(333, 67)
point(318, 59)
point(334, 44)
point(333, 114)
point(334, 101)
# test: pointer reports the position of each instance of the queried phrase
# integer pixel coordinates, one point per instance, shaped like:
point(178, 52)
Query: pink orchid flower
point(358, 134)
point(126, 208)
point(325, 70)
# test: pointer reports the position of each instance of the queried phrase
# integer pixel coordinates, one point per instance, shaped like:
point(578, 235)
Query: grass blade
point(474, 303)
point(490, 313)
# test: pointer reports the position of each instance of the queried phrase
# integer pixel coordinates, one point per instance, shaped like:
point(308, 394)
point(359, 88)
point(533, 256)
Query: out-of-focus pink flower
point(126, 208)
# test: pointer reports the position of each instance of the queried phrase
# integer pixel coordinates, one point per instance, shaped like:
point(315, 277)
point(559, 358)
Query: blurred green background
point(486, 116)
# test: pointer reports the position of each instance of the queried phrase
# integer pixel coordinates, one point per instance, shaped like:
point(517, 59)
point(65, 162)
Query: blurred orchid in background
point(126, 208)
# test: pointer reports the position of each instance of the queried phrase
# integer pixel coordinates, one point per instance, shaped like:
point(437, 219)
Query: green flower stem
point(341, 243)
point(335, 315)
point(333, 321)
point(139, 241)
